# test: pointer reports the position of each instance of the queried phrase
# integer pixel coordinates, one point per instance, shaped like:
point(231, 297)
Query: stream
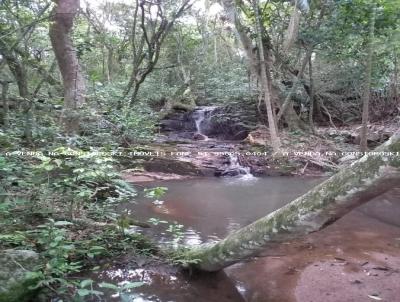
point(210, 208)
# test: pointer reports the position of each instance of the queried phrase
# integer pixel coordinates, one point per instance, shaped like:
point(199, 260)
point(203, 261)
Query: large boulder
point(14, 279)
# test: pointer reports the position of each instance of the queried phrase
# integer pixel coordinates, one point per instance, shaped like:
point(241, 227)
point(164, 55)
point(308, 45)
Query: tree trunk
point(253, 59)
point(395, 83)
point(296, 80)
point(110, 62)
point(73, 80)
point(4, 92)
point(367, 89)
point(312, 95)
point(266, 82)
point(366, 178)
point(18, 70)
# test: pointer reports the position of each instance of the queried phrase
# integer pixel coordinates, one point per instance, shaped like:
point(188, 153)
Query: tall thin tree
point(367, 82)
point(74, 83)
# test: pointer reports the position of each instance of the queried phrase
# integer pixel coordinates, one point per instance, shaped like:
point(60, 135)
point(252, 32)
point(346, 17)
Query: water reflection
point(170, 286)
point(212, 208)
point(192, 237)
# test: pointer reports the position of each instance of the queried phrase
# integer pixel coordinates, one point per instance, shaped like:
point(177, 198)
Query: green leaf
point(97, 248)
point(68, 247)
point(108, 285)
point(82, 292)
point(96, 268)
point(59, 238)
point(85, 283)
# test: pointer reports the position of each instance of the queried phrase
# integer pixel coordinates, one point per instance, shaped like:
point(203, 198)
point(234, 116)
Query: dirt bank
point(356, 259)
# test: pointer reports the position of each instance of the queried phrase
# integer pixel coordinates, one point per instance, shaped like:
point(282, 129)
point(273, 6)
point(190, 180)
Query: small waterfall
point(199, 116)
point(198, 119)
point(236, 168)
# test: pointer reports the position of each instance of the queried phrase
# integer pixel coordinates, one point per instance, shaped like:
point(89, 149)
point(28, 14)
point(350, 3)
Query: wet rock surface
point(229, 122)
point(180, 121)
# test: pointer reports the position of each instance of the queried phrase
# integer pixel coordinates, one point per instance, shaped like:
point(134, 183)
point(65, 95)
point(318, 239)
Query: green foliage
point(51, 237)
point(156, 193)
point(119, 124)
point(182, 256)
point(177, 231)
point(85, 176)
point(85, 289)
point(83, 183)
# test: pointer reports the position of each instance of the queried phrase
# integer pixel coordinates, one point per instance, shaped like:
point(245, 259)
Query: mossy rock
point(183, 107)
point(15, 266)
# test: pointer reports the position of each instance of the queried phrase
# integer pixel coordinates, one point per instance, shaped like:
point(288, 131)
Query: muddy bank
point(355, 259)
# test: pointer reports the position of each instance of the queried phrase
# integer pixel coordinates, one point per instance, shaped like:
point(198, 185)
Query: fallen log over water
point(365, 179)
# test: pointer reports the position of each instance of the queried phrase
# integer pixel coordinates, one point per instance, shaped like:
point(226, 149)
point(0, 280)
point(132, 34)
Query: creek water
point(211, 208)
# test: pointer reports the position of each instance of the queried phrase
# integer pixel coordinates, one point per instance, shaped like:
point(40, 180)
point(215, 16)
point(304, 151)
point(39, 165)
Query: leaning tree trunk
point(366, 178)
point(67, 59)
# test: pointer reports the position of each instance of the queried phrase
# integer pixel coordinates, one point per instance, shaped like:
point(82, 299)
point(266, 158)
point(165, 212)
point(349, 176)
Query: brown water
point(211, 208)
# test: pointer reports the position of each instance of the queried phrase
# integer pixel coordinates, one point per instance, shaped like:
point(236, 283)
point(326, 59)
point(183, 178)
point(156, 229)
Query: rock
point(199, 137)
point(177, 121)
point(230, 122)
point(182, 106)
point(14, 282)
point(231, 172)
point(172, 166)
point(227, 123)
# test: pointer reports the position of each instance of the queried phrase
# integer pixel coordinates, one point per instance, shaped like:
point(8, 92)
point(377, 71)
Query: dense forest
point(142, 143)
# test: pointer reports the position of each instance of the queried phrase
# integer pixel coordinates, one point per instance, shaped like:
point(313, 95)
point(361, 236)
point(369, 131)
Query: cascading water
point(234, 165)
point(199, 116)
